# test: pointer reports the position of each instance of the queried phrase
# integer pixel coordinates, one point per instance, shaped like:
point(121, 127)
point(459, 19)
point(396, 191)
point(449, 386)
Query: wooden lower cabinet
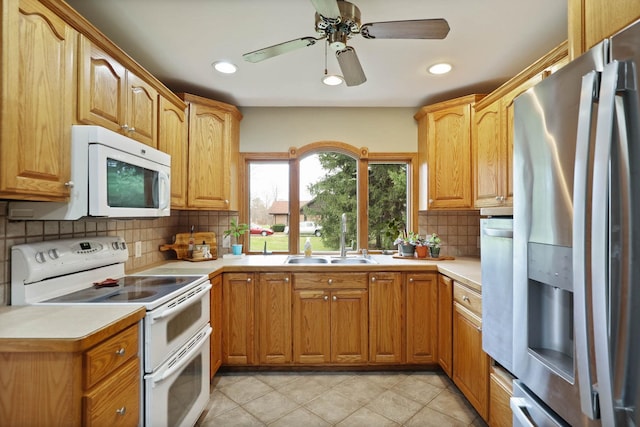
point(330, 318)
point(274, 318)
point(385, 317)
point(470, 363)
point(238, 299)
point(216, 324)
point(500, 392)
point(422, 317)
point(445, 324)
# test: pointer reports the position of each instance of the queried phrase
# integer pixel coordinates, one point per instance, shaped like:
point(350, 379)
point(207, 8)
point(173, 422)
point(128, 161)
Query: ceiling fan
point(337, 21)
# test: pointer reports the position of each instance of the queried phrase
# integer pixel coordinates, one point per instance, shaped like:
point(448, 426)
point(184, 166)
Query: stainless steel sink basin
point(306, 260)
point(352, 260)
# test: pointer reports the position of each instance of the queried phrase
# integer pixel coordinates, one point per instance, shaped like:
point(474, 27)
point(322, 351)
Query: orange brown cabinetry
point(590, 21)
point(422, 317)
point(216, 324)
point(470, 363)
point(330, 318)
point(492, 146)
point(213, 154)
point(274, 318)
point(37, 100)
point(444, 153)
point(109, 95)
point(500, 392)
point(238, 299)
point(445, 324)
point(385, 317)
point(172, 139)
point(46, 382)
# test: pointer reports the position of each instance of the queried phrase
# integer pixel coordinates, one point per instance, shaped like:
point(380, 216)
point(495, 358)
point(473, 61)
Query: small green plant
point(236, 229)
point(434, 241)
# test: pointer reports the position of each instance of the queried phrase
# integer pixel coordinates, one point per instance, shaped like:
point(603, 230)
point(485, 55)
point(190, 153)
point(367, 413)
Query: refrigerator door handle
point(581, 184)
point(600, 241)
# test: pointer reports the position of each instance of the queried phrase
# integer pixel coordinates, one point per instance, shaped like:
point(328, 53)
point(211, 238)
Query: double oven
point(174, 341)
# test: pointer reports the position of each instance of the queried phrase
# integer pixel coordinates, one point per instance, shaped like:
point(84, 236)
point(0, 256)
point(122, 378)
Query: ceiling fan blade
point(327, 8)
point(413, 29)
point(279, 49)
point(350, 67)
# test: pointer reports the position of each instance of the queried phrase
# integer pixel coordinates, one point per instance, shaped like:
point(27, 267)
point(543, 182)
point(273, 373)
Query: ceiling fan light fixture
point(440, 68)
point(224, 67)
point(332, 80)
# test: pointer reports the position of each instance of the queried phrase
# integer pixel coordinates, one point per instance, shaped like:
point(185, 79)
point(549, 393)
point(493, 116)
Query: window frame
point(361, 155)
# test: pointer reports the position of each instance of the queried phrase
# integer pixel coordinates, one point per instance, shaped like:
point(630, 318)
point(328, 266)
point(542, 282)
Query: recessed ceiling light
point(225, 67)
point(442, 68)
point(332, 80)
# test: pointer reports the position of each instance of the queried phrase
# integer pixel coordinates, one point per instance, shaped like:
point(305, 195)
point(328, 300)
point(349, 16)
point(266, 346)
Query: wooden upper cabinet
point(37, 99)
point(590, 21)
point(172, 139)
point(444, 146)
point(111, 96)
point(213, 154)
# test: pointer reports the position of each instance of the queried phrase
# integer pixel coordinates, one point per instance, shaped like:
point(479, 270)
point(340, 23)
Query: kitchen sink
point(306, 260)
point(352, 260)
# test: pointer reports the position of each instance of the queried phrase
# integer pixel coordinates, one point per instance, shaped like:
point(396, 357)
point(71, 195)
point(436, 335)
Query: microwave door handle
point(600, 241)
point(588, 93)
point(164, 190)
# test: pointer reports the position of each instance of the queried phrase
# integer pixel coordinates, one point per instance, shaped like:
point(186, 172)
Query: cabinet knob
point(465, 298)
point(430, 201)
point(330, 281)
point(121, 411)
point(286, 280)
point(410, 279)
point(131, 130)
point(69, 184)
point(121, 352)
point(248, 279)
point(326, 298)
point(226, 202)
point(125, 127)
point(373, 279)
point(335, 298)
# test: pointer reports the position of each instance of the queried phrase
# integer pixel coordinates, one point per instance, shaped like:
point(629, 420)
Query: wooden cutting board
point(181, 245)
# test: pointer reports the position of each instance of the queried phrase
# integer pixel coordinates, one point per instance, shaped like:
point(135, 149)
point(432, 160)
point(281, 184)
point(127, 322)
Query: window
point(302, 194)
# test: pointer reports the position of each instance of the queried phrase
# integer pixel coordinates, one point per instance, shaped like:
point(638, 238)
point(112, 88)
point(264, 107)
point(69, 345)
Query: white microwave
point(111, 176)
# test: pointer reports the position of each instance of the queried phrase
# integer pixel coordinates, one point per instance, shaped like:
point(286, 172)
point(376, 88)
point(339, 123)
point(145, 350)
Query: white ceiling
point(489, 42)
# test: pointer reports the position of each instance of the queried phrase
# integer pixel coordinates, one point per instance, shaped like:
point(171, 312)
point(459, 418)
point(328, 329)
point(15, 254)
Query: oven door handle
point(182, 362)
point(179, 306)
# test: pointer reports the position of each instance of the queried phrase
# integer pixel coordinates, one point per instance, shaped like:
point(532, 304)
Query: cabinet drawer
point(467, 298)
point(109, 355)
point(115, 402)
point(330, 281)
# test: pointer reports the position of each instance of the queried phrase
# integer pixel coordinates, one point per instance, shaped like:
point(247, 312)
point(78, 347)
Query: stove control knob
point(40, 257)
point(53, 253)
point(123, 245)
point(114, 245)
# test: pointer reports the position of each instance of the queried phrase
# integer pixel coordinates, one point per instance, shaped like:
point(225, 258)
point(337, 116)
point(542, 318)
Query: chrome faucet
point(343, 234)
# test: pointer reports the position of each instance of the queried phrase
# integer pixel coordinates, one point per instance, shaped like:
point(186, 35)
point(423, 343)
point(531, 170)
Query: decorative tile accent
point(459, 230)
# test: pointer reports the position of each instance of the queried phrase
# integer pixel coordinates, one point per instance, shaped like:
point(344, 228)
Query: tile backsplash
point(151, 232)
point(459, 231)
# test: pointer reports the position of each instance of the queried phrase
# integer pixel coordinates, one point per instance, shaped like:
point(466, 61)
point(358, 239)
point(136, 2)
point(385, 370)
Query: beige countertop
point(463, 269)
point(62, 327)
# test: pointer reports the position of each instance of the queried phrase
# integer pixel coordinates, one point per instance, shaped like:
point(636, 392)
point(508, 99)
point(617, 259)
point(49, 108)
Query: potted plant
point(236, 230)
point(407, 242)
point(434, 245)
point(421, 247)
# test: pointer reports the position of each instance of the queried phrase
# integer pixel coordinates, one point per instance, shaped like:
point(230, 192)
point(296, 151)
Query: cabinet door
point(470, 363)
point(208, 158)
point(172, 139)
point(274, 318)
point(445, 324)
point(238, 321)
point(385, 317)
point(349, 326)
point(102, 88)
point(141, 121)
point(37, 100)
point(489, 157)
point(500, 392)
point(216, 324)
point(422, 317)
point(311, 326)
point(449, 148)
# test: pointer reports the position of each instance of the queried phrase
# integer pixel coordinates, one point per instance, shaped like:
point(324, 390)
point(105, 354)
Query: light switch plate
point(138, 249)
point(226, 242)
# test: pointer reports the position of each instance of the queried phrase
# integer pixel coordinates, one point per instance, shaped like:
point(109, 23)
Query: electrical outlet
point(138, 249)
point(226, 242)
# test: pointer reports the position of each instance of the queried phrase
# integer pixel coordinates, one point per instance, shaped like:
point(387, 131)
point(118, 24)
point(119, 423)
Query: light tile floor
point(310, 399)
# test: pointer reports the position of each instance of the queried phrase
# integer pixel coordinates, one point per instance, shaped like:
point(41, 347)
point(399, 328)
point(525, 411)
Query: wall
point(459, 231)
point(151, 232)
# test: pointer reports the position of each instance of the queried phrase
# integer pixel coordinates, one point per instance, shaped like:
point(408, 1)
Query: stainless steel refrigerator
point(576, 329)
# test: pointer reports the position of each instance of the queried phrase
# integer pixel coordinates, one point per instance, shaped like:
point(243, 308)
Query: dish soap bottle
point(307, 248)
